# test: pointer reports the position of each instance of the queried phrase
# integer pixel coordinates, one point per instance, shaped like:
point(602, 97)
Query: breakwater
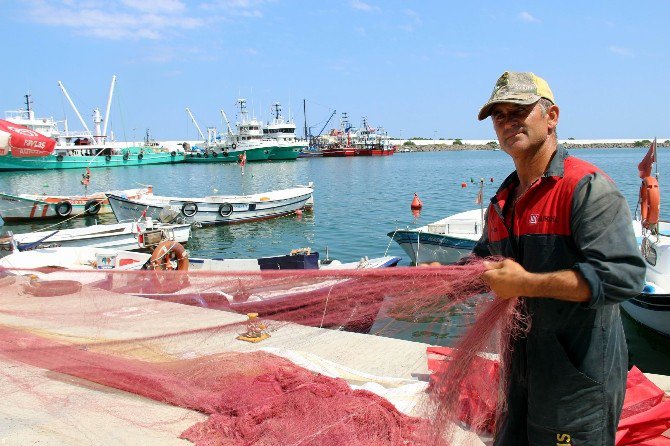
point(490, 146)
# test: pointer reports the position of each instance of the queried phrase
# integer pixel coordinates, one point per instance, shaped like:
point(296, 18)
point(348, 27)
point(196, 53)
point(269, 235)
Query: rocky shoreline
point(464, 146)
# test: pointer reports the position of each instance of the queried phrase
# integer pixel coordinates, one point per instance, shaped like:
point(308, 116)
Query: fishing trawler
point(287, 146)
point(82, 149)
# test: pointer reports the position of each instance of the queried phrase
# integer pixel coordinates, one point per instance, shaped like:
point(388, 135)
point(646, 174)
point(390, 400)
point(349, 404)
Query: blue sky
point(420, 67)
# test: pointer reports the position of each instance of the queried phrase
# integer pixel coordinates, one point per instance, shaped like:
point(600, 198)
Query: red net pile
point(76, 346)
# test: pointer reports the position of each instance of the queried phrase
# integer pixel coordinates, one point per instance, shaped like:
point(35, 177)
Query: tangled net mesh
point(317, 363)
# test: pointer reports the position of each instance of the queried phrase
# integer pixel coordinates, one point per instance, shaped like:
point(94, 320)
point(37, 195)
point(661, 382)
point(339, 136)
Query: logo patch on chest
point(537, 218)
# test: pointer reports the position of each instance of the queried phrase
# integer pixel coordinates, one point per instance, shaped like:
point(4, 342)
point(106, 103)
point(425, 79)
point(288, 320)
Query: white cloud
point(114, 20)
point(156, 6)
point(414, 20)
point(621, 51)
point(362, 6)
point(527, 17)
point(238, 8)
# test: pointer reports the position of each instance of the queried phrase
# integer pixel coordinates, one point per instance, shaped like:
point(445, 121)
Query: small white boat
point(75, 258)
point(36, 207)
point(215, 209)
point(445, 241)
point(134, 235)
point(87, 257)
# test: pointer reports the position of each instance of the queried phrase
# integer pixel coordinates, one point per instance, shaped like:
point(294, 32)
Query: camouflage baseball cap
point(517, 88)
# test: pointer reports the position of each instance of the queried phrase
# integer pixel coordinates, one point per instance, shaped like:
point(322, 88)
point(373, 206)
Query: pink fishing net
point(318, 362)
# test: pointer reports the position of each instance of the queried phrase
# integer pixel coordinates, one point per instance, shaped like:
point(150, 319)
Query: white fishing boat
point(132, 235)
point(652, 307)
point(42, 206)
point(214, 209)
point(287, 146)
point(445, 241)
point(249, 138)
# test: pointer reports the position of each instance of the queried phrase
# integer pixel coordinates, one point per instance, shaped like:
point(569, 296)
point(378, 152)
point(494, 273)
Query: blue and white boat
point(445, 241)
point(652, 307)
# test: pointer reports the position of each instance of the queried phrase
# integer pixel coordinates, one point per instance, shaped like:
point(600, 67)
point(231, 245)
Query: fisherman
point(571, 256)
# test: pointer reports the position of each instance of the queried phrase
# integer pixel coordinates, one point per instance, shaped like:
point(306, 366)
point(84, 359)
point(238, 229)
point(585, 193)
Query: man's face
point(520, 128)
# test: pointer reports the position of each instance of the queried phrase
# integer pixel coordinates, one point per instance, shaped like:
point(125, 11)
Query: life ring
point(140, 156)
point(165, 253)
point(108, 158)
point(126, 155)
point(199, 155)
point(234, 146)
point(92, 207)
point(189, 209)
point(224, 153)
point(225, 209)
point(63, 208)
point(650, 201)
point(206, 155)
point(214, 154)
point(51, 288)
point(59, 158)
point(173, 153)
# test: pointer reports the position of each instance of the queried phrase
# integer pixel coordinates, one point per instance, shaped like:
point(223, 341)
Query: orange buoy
point(464, 185)
point(650, 200)
point(416, 203)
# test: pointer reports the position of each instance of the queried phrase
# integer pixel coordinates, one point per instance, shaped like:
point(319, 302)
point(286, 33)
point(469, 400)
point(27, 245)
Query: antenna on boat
point(109, 104)
point(28, 102)
point(74, 107)
point(304, 114)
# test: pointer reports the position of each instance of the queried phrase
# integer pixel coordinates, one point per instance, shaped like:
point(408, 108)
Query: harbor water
point(358, 200)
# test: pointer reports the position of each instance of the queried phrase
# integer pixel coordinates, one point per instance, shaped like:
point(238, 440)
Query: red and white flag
point(140, 236)
point(478, 200)
point(649, 159)
point(243, 161)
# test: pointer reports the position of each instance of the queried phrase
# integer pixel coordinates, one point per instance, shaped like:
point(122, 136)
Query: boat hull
point(228, 210)
point(57, 162)
point(285, 153)
point(36, 207)
point(121, 236)
point(651, 310)
point(209, 158)
point(422, 247)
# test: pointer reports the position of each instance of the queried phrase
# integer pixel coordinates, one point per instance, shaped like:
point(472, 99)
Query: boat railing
point(454, 227)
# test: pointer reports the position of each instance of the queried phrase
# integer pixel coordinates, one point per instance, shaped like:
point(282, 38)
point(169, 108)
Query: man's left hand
point(507, 279)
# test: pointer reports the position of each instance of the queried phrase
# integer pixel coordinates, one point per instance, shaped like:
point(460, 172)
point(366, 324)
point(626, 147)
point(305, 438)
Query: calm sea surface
point(358, 201)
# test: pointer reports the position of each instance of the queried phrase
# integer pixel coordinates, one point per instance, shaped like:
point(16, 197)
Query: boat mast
point(225, 118)
point(304, 114)
point(109, 104)
point(277, 107)
point(28, 102)
point(74, 107)
point(188, 110)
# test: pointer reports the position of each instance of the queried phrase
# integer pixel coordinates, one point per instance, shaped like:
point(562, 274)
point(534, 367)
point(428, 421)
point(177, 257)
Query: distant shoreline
point(568, 145)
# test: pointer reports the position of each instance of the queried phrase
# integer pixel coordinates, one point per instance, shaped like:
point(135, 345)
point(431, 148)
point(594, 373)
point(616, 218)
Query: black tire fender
point(189, 209)
point(92, 207)
point(63, 208)
point(225, 209)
